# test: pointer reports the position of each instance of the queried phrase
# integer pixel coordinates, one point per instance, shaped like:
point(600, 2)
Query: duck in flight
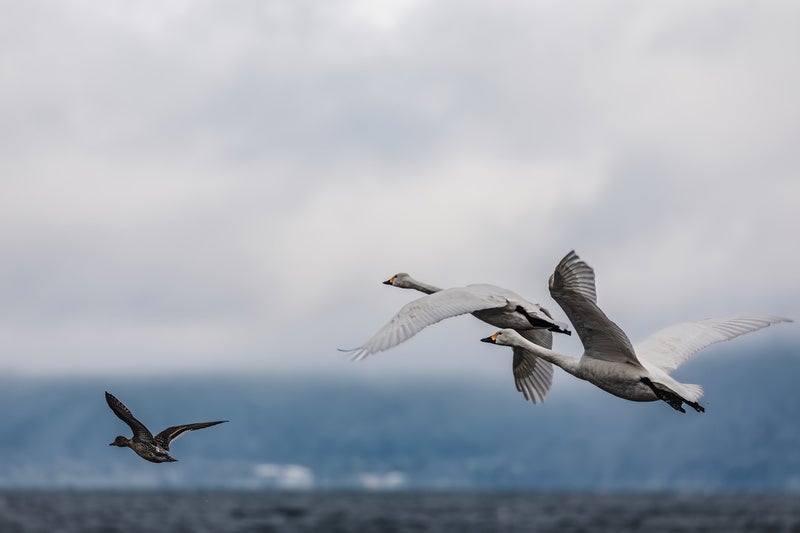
point(639, 373)
point(154, 449)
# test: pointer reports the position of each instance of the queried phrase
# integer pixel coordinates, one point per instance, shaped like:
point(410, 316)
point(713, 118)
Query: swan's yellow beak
point(389, 281)
point(492, 339)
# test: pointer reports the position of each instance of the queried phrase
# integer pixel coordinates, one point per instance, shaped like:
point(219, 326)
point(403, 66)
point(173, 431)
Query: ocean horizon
point(85, 511)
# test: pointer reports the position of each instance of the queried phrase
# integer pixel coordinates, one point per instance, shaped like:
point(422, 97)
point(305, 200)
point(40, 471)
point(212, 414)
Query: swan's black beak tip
point(489, 339)
point(387, 282)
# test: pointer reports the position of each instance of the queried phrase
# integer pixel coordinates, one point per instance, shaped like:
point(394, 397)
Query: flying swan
point(533, 376)
point(609, 361)
point(497, 306)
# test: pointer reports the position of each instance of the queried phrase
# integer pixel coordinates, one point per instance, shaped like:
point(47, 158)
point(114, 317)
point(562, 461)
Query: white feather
point(428, 310)
point(668, 348)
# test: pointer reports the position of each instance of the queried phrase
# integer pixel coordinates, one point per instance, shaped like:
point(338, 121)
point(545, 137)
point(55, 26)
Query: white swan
point(609, 361)
point(495, 305)
point(533, 376)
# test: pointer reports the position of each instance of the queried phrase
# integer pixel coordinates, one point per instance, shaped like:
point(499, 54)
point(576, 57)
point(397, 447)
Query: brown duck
point(146, 446)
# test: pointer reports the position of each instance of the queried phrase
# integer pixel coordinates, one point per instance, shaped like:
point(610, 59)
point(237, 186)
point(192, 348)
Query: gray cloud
point(204, 185)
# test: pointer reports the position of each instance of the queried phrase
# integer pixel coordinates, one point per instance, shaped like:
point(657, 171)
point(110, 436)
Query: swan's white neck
point(422, 287)
point(566, 362)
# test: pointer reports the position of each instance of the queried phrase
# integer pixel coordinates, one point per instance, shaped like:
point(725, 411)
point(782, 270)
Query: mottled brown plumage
point(153, 449)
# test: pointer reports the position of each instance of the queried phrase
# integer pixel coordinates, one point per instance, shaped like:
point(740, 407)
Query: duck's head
point(504, 337)
point(401, 279)
point(120, 441)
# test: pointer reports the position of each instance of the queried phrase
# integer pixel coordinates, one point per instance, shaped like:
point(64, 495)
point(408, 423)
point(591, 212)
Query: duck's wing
point(124, 414)
point(171, 433)
point(533, 376)
point(423, 312)
point(572, 287)
point(668, 348)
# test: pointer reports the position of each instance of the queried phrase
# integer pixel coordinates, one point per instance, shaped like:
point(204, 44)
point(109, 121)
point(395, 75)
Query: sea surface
point(240, 512)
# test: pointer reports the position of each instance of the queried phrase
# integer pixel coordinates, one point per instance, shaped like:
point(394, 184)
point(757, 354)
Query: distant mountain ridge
point(414, 433)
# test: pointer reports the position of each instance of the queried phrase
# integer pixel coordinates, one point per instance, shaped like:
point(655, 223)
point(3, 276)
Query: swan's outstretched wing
point(422, 312)
point(124, 414)
point(575, 276)
point(572, 287)
point(670, 347)
point(533, 376)
point(171, 433)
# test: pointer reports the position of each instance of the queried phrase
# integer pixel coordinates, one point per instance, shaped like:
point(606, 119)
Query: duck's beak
point(111, 444)
point(491, 339)
point(389, 281)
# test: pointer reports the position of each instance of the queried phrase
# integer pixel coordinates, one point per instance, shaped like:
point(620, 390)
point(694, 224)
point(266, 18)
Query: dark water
point(221, 512)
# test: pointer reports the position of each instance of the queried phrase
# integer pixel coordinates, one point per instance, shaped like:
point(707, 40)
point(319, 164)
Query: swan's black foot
point(696, 406)
point(672, 399)
point(560, 329)
point(542, 323)
point(675, 403)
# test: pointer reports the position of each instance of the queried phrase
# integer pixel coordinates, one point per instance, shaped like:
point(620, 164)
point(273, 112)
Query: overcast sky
point(194, 186)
